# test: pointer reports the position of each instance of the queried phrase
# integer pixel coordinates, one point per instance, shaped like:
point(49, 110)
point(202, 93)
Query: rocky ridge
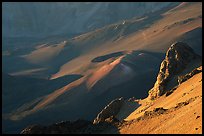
point(178, 56)
point(110, 111)
point(183, 78)
point(67, 127)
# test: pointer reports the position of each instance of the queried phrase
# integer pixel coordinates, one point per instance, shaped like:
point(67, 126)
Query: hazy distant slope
point(165, 30)
point(70, 18)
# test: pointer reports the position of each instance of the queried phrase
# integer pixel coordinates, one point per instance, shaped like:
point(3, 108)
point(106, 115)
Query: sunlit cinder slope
point(184, 114)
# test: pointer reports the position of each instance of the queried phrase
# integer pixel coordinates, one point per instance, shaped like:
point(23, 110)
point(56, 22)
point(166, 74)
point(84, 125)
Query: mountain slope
point(42, 19)
point(178, 111)
point(184, 114)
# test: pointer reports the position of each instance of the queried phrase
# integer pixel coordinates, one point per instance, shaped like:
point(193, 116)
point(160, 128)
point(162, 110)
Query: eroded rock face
point(178, 56)
point(110, 110)
point(183, 78)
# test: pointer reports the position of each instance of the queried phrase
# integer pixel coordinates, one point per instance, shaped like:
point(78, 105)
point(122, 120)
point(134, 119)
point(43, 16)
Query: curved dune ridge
point(183, 4)
point(44, 53)
point(105, 57)
point(102, 72)
point(106, 76)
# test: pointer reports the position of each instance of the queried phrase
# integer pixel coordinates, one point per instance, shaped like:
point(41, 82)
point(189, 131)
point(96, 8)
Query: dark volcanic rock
point(108, 56)
point(178, 56)
point(76, 127)
point(169, 92)
point(110, 110)
point(67, 127)
point(33, 129)
point(183, 78)
point(156, 111)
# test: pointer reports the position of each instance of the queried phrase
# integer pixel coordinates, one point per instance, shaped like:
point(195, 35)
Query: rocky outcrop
point(110, 111)
point(183, 78)
point(67, 127)
point(156, 111)
point(76, 127)
point(178, 56)
point(105, 119)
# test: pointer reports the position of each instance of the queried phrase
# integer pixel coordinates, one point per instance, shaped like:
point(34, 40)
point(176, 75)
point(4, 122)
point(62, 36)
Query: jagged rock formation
point(156, 111)
point(110, 111)
point(67, 127)
point(183, 78)
point(178, 56)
